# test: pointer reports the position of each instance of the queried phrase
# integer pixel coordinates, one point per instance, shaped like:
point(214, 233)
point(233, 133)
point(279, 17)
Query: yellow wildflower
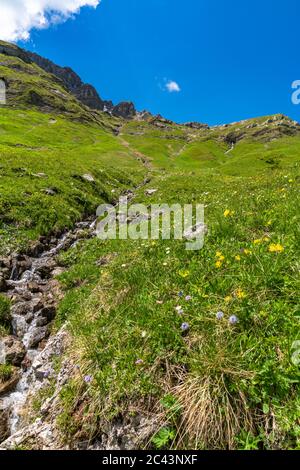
point(276, 248)
point(238, 258)
point(218, 264)
point(218, 254)
point(184, 273)
point(228, 299)
point(257, 241)
point(228, 213)
point(247, 252)
point(241, 294)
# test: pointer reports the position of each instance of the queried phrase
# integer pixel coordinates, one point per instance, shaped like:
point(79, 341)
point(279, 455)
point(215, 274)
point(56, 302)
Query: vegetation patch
point(4, 315)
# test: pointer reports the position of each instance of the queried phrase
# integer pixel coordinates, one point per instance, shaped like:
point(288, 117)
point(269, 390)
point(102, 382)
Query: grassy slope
point(219, 385)
point(32, 143)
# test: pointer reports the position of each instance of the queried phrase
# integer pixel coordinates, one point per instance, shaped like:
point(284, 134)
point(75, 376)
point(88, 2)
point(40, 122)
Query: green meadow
point(41, 152)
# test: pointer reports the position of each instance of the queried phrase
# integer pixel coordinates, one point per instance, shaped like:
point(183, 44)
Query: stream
point(34, 293)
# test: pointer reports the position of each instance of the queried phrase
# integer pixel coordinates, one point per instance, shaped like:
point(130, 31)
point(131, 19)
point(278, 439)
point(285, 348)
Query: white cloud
point(19, 17)
point(173, 87)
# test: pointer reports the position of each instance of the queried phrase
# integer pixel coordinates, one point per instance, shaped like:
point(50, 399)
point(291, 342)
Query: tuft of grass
point(6, 372)
point(4, 315)
point(212, 415)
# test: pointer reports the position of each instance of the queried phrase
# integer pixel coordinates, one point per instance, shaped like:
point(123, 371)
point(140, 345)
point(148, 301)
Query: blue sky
point(232, 59)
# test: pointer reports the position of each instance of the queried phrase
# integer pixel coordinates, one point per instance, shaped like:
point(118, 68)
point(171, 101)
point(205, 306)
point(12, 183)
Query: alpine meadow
point(140, 343)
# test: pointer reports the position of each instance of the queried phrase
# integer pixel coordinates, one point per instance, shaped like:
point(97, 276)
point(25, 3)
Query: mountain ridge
point(84, 92)
point(84, 102)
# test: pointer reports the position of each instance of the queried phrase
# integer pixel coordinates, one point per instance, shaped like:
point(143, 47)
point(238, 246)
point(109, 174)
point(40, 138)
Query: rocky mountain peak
point(125, 109)
point(84, 92)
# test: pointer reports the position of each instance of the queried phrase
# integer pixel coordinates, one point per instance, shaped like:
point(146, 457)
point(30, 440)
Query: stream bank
point(29, 281)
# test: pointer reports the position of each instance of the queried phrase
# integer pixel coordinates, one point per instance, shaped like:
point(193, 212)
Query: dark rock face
point(196, 125)
point(125, 110)
point(85, 93)
point(14, 51)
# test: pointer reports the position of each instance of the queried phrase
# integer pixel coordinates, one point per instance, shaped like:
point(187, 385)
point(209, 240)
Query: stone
point(34, 287)
point(19, 326)
point(50, 191)
point(126, 433)
point(35, 336)
point(21, 294)
point(196, 231)
point(20, 264)
point(35, 249)
point(10, 384)
point(22, 308)
point(150, 192)
point(45, 267)
point(48, 313)
point(4, 428)
point(88, 177)
point(12, 351)
point(5, 263)
point(58, 271)
point(39, 175)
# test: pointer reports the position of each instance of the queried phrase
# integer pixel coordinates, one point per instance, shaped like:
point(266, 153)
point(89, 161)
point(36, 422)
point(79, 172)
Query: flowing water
point(34, 298)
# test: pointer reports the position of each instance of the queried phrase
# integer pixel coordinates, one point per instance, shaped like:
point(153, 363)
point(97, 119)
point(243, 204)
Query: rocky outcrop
point(8, 385)
point(12, 351)
point(196, 125)
point(124, 110)
point(14, 51)
point(85, 93)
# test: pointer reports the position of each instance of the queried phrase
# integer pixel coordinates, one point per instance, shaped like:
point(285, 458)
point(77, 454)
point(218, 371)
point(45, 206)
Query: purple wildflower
point(88, 379)
point(139, 362)
point(188, 298)
point(233, 320)
point(220, 315)
point(185, 326)
point(179, 310)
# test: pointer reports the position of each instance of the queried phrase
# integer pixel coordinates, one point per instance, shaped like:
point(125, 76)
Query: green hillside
point(227, 381)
